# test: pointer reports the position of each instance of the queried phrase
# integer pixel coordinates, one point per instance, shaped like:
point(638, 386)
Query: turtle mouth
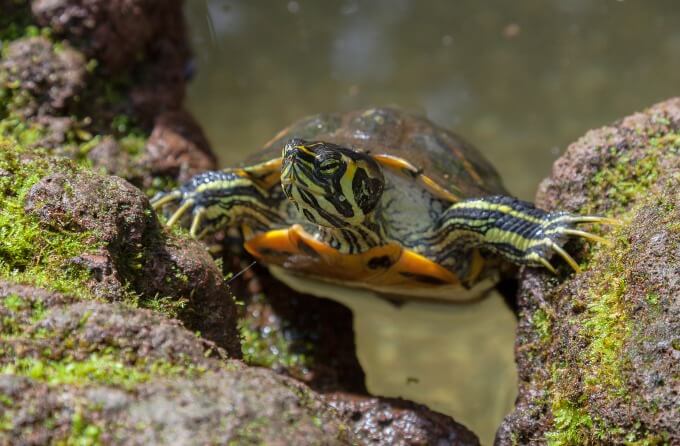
point(295, 176)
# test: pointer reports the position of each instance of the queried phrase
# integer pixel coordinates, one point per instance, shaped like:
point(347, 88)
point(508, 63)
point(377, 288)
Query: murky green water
point(519, 79)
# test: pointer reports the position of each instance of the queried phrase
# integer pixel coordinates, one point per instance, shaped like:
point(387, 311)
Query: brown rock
point(144, 39)
point(598, 353)
point(161, 384)
point(77, 329)
point(177, 147)
point(109, 156)
point(399, 422)
point(42, 79)
point(135, 252)
point(114, 31)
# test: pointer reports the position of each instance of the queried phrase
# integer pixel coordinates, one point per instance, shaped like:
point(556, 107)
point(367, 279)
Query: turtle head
point(331, 186)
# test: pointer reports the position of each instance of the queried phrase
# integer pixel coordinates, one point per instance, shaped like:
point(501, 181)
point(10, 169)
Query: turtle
point(379, 199)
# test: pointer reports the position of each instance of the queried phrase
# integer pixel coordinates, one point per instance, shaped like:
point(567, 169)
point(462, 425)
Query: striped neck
point(353, 239)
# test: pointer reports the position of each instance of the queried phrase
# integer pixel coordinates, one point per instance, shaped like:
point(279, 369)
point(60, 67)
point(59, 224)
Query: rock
point(78, 329)
point(56, 133)
point(41, 79)
point(216, 408)
point(115, 32)
point(109, 157)
point(133, 252)
point(399, 422)
point(89, 372)
point(144, 38)
point(598, 353)
point(302, 336)
point(178, 148)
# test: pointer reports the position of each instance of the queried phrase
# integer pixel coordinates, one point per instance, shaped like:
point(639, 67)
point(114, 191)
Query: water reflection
point(519, 79)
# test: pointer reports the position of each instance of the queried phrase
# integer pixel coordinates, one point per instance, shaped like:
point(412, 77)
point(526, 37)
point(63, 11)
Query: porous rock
point(134, 252)
point(46, 78)
point(399, 422)
point(598, 353)
point(163, 384)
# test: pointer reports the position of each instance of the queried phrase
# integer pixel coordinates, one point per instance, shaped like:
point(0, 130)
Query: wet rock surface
point(399, 422)
point(302, 336)
point(598, 353)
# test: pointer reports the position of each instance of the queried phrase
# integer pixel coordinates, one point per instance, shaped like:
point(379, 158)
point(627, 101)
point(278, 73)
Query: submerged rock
point(299, 335)
point(598, 353)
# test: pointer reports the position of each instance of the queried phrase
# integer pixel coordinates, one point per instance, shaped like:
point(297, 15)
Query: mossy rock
point(597, 352)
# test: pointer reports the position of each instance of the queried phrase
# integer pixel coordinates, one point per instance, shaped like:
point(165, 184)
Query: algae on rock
point(604, 370)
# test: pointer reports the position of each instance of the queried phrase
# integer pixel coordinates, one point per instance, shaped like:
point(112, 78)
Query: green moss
point(652, 298)
point(83, 433)
point(170, 307)
point(16, 21)
point(98, 368)
point(572, 424)
point(251, 432)
point(628, 179)
point(271, 346)
point(12, 324)
point(30, 252)
point(22, 133)
point(13, 303)
point(542, 324)
point(606, 326)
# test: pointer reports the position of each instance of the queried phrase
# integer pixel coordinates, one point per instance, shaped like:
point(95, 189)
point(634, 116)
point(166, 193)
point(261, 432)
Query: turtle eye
point(329, 166)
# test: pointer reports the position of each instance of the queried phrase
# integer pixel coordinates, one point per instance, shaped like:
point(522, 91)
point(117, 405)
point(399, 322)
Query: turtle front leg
point(514, 229)
point(220, 199)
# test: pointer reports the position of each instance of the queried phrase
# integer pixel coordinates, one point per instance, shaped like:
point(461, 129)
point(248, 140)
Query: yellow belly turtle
point(376, 199)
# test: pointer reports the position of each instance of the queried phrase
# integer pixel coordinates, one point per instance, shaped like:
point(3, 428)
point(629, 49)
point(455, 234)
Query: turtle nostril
point(290, 150)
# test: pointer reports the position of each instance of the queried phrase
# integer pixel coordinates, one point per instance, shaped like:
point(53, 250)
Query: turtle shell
point(436, 152)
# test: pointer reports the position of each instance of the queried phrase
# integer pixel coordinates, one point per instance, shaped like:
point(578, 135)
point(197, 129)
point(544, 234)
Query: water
point(519, 79)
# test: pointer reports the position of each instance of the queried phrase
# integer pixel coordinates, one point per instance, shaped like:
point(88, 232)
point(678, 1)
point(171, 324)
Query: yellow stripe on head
point(332, 186)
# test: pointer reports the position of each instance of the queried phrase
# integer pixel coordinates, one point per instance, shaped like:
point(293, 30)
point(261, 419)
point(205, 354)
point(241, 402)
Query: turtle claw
point(185, 205)
point(547, 265)
point(567, 258)
point(567, 229)
point(594, 219)
point(158, 203)
point(180, 212)
point(196, 222)
point(588, 235)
